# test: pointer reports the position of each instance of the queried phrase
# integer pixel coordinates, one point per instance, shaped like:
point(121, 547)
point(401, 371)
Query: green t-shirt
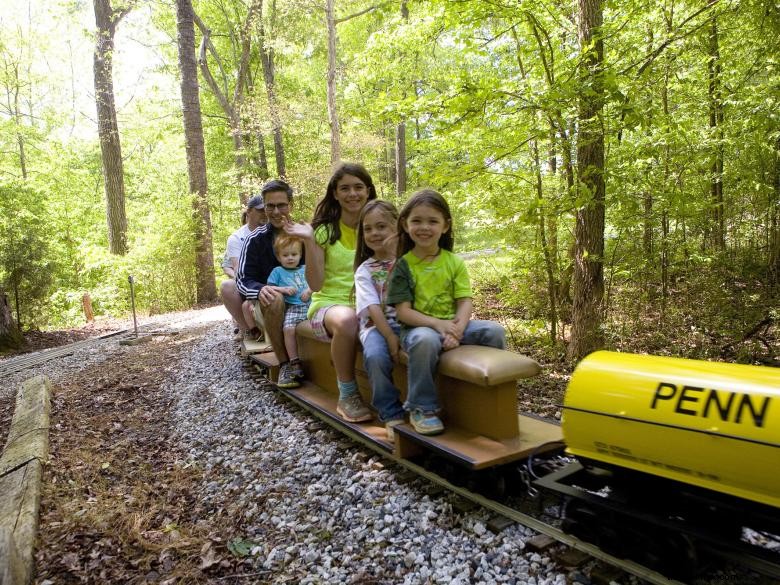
point(431, 286)
point(339, 269)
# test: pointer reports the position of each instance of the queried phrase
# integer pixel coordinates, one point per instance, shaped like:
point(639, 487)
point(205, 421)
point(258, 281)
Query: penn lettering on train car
point(697, 401)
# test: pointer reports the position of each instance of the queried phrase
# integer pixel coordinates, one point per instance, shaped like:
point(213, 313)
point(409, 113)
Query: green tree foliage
point(488, 93)
point(26, 262)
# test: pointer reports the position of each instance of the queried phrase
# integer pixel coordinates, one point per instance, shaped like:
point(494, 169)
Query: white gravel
point(317, 507)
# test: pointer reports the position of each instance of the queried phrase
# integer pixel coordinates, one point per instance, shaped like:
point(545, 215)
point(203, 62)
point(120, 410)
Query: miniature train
point(674, 457)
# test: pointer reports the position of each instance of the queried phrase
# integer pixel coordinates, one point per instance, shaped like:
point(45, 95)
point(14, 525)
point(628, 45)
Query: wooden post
point(86, 303)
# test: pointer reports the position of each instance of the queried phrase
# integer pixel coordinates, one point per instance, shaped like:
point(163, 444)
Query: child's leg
point(385, 397)
point(342, 324)
point(290, 343)
point(423, 345)
point(488, 333)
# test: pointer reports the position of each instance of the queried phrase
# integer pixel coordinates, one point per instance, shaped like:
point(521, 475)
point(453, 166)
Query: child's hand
point(289, 291)
point(458, 328)
point(442, 327)
point(449, 342)
point(306, 294)
point(450, 328)
point(394, 346)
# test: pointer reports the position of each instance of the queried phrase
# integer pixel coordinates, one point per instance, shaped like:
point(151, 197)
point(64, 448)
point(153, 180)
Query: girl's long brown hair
point(328, 211)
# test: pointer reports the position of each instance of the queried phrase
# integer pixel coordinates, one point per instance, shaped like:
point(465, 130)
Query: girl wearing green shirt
point(330, 253)
point(431, 292)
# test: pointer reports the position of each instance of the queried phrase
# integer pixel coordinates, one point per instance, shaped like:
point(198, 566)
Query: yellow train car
point(709, 424)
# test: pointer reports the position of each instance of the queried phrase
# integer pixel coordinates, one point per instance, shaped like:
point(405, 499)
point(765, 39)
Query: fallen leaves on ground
point(118, 504)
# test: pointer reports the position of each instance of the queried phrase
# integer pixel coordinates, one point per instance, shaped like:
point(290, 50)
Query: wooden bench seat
point(477, 391)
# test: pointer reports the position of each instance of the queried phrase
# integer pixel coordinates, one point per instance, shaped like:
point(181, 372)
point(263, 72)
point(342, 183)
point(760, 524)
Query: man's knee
point(228, 289)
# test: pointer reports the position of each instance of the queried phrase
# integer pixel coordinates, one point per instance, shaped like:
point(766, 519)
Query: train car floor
point(477, 452)
point(250, 347)
point(466, 448)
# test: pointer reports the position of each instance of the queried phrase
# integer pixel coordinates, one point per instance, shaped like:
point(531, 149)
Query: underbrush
point(713, 314)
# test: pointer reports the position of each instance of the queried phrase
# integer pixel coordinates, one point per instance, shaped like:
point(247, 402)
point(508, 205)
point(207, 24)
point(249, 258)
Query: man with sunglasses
point(265, 303)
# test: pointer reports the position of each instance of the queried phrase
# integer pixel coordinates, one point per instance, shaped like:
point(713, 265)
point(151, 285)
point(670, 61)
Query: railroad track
point(515, 515)
point(28, 360)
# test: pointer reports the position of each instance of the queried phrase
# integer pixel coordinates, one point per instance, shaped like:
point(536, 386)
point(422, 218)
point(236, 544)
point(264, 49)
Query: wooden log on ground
point(11, 566)
point(21, 471)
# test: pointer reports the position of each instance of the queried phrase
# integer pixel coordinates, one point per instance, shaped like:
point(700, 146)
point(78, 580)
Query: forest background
point(621, 160)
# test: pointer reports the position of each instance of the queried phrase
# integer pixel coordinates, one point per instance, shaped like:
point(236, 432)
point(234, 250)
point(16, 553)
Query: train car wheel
point(582, 521)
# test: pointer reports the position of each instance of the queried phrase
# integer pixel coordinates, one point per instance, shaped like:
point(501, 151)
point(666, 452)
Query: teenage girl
point(329, 244)
point(431, 291)
point(379, 328)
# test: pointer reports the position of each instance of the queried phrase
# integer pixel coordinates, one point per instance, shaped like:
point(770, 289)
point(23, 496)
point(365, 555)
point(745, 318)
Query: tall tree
point(586, 333)
point(333, 113)
point(10, 336)
point(106, 20)
point(269, 76)
point(196, 152)
point(400, 134)
point(715, 99)
point(13, 84)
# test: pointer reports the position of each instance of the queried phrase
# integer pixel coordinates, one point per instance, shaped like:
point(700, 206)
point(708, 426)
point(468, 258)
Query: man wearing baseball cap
point(253, 217)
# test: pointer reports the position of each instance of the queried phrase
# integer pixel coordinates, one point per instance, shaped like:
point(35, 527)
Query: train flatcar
point(673, 459)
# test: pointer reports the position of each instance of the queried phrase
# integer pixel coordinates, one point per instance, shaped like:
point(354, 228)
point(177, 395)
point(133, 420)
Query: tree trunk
point(106, 20)
point(231, 105)
point(196, 153)
point(400, 134)
point(10, 336)
point(333, 115)
point(586, 335)
point(400, 158)
point(716, 129)
point(548, 257)
point(774, 215)
point(269, 76)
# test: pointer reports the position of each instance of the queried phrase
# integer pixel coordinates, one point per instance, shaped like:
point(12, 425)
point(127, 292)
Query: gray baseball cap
point(255, 202)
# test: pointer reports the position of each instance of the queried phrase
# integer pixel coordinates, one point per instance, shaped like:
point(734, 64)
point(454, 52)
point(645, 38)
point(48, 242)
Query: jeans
point(385, 397)
point(423, 345)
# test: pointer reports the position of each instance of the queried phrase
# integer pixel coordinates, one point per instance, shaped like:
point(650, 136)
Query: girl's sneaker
point(297, 369)
point(352, 409)
point(426, 423)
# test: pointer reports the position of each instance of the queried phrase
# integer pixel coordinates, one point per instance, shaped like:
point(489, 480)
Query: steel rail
point(520, 517)
point(28, 360)
point(23, 362)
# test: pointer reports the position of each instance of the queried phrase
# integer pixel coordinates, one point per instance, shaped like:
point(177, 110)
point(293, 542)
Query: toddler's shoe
point(426, 423)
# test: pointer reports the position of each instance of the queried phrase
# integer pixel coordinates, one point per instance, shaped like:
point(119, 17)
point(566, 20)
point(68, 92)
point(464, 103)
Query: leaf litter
point(118, 503)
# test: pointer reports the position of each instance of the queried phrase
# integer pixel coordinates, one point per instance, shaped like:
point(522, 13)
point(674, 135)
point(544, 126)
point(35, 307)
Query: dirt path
point(117, 505)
